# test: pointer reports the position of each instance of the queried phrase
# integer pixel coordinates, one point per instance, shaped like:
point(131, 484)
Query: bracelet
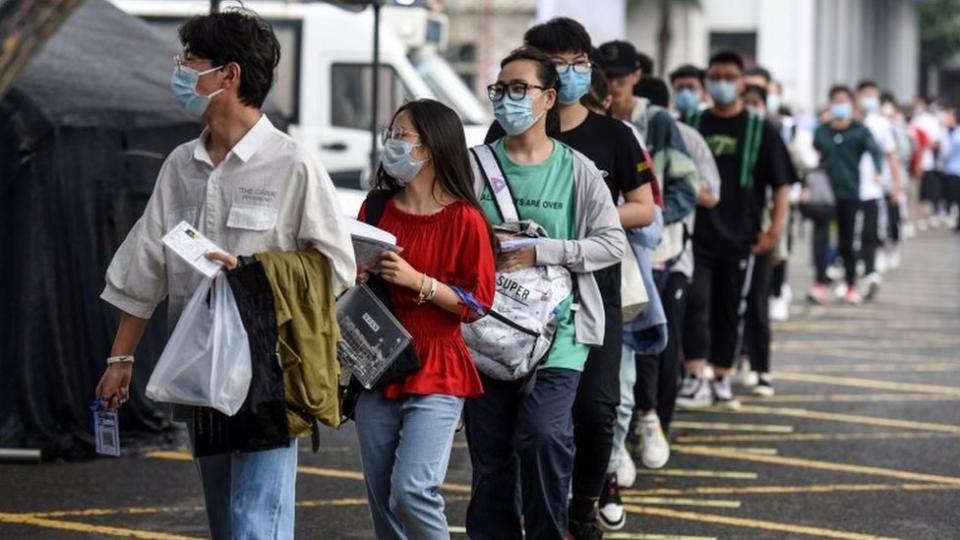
point(123, 359)
point(433, 289)
point(421, 296)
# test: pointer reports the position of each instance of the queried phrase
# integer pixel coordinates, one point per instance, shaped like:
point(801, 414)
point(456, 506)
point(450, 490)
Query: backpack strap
point(496, 180)
point(751, 149)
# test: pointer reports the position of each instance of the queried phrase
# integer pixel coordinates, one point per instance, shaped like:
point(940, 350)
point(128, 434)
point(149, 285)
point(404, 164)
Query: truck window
point(351, 95)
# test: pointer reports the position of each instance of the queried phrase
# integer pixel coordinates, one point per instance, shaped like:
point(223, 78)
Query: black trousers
point(658, 375)
point(870, 234)
point(821, 246)
point(757, 334)
point(846, 230)
point(713, 326)
point(893, 221)
point(594, 415)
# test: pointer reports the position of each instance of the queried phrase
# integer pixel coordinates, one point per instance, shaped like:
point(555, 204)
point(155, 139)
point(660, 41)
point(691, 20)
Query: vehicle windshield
point(449, 88)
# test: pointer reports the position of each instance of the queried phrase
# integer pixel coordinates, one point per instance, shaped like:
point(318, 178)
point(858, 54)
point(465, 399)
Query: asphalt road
point(861, 441)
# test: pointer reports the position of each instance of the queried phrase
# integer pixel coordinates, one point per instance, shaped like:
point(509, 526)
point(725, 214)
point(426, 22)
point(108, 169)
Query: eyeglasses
point(579, 67)
point(396, 132)
point(516, 91)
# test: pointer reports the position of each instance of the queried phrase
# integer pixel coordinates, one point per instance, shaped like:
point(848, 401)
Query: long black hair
point(547, 76)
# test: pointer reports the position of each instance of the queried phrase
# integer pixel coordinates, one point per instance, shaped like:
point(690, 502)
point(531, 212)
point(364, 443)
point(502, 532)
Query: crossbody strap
point(496, 180)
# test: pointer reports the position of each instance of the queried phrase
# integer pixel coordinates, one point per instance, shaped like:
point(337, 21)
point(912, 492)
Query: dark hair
point(645, 64)
point(654, 89)
point(887, 97)
point(559, 35)
point(756, 89)
point(761, 71)
point(840, 89)
point(546, 74)
point(866, 83)
point(236, 35)
point(686, 70)
point(599, 89)
point(726, 57)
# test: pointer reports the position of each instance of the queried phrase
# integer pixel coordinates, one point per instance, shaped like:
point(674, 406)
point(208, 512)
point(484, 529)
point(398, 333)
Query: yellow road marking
point(867, 383)
point(696, 473)
point(674, 501)
point(812, 437)
point(750, 523)
point(822, 465)
point(176, 455)
point(930, 367)
point(787, 490)
point(99, 512)
point(720, 426)
point(847, 398)
point(850, 418)
point(746, 449)
point(643, 536)
point(122, 532)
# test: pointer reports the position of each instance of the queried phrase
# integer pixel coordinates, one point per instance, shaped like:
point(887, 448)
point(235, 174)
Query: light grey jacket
point(601, 243)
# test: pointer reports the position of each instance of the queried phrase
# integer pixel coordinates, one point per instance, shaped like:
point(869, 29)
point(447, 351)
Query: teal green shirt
point(545, 193)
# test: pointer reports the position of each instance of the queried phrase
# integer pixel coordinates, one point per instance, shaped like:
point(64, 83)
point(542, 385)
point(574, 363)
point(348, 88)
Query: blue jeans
point(522, 449)
point(250, 495)
point(628, 379)
point(405, 449)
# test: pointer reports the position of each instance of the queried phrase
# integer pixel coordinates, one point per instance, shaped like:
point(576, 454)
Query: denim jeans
point(250, 495)
point(628, 379)
point(405, 449)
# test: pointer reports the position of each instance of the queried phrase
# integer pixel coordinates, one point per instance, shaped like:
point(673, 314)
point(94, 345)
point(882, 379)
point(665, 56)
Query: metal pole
point(374, 115)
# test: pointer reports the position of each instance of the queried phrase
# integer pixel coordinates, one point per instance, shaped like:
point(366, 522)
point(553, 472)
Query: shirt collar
point(245, 148)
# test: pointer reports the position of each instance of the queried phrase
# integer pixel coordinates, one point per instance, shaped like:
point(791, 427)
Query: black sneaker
point(587, 530)
point(764, 387)
point(611, 516)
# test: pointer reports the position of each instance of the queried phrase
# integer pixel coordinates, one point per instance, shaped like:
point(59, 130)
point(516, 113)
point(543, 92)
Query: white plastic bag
point(206, 362)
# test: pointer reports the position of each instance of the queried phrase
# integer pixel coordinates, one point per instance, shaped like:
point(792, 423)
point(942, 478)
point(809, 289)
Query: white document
point(189, 244)
point(369, 242)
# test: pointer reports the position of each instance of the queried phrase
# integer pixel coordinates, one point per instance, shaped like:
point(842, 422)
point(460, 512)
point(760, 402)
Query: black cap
point(619, 58)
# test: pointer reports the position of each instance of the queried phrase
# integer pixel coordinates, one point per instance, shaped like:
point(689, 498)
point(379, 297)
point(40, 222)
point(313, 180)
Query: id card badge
point(106, 430)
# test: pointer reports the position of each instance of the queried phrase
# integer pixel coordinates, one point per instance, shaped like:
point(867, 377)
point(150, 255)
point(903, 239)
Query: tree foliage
point(939, 30)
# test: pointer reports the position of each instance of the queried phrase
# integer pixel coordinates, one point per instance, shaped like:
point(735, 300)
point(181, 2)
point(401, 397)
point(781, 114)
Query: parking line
point(721, 426)
point(788, 490)
point(929, 367)
point(847, 398)
point(750, 523)
point(679, 501)
point(812, 437)
point(822, 465)
point(697, 473)
point(122, 532)
point(745, 449)
point(645, 536)
point(850, 418)
point(793, 376)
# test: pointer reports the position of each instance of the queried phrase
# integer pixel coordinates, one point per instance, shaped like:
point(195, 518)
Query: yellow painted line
point(851, 418)
point(721, 426)
point(646, 536)
point(697, 473)
point(822, 465)
point(745, 449)
point(867, 383)
point(788, 490)
point(675, 501)
point(929, 367)
point(812, 437)
point(175, 455)
point(750, 523)
point(847, 398)
point(86, 528)
point(97, 512)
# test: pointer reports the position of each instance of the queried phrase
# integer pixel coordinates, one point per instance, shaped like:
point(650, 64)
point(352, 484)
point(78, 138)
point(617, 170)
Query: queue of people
point(695, 183)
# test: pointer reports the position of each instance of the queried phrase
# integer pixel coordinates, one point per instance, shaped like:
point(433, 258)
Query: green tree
point(664, 32)
point(939, 31)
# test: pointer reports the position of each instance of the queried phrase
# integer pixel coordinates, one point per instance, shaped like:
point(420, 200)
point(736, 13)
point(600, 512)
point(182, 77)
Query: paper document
point(369, 242)
point(372, 338)
point(189, 244)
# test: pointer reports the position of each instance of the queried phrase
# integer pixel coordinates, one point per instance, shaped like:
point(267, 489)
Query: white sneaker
point(694, 393)
point(611, 515)
point(627, 471)
point(780, 305)
point(835, 272)
point(870, 286)
point(745, 377)
point(908, 230)
point(764, 387)
point(882, 263)
point(656, 449)
point(840, 291)
point(894, 258)
point(723, 394)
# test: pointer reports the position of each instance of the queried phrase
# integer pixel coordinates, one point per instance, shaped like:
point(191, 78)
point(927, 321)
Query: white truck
point(324, 80)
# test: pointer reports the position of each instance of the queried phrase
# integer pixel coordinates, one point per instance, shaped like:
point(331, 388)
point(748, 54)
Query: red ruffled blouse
point(452, 246)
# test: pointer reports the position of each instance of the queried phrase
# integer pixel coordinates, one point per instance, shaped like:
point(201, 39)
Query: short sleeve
point(475, 270)
point(631, 167)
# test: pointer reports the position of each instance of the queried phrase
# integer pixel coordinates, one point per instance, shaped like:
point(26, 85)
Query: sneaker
point(819, 294)
point(840, 291)
point(893, 258)
point(780, 306)
point(745, 378)
point(586, 530)
point(870, 286)
point(723, 394)
point(835, 272)
point(852, 297)
point(694, 393)
point(882, 262)
point(656, 449)
point(908, 230)
point(627, 471)
point(764, 387)
point(611, 515)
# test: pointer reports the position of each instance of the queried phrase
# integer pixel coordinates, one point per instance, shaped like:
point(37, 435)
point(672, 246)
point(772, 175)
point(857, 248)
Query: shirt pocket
point(251, 217)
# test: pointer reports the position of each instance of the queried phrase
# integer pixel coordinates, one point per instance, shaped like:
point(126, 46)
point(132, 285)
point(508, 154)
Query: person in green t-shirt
point(562, 191)
point(842, 142)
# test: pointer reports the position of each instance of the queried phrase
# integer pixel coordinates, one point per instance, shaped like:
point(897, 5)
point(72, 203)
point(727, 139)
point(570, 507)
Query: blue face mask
point(183, 83)
point(573, 86)
point(773, 103)
point(841, 111)
point(723, 92)
point(515, 117)
point(397, 160)
point(870, 104)
point(686, 101)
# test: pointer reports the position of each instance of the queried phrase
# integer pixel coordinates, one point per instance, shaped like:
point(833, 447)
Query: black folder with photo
point(372, 337)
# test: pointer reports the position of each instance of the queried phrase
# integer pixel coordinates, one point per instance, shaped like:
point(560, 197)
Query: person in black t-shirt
point(615, 151)
point(727, 237)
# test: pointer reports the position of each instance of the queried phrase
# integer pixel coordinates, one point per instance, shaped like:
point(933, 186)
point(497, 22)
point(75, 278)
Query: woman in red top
point(406, 428)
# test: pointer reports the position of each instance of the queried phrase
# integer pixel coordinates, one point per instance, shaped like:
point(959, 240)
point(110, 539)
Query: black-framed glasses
point(515, 91)
point(578, 67)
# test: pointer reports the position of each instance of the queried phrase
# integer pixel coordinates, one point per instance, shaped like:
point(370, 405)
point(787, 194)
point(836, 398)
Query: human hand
point(517, 259)
point(114, 387)
point(228, 261)
point(396, 271)
point(765, 243)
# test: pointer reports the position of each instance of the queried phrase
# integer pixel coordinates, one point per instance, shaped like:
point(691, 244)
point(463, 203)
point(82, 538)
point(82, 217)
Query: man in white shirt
point(249, 188)
point(872, 192)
